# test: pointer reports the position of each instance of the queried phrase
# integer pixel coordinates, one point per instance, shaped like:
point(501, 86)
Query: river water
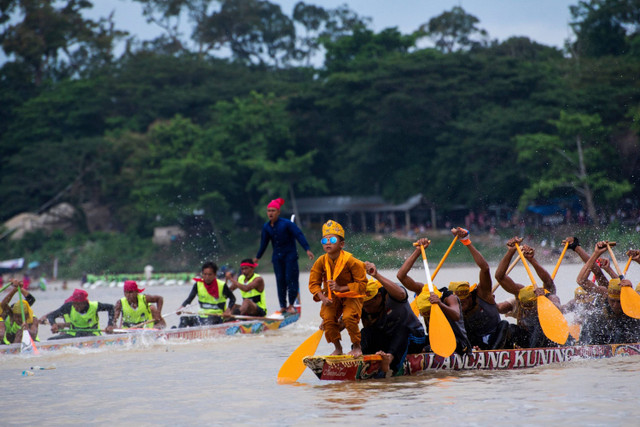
point(232, 380)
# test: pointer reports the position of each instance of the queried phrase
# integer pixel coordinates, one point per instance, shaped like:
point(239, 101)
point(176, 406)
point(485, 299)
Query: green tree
point(571, 160)
point(454, 30)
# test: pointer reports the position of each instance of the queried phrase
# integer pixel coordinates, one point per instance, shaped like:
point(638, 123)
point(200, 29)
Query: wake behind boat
point(246, 325)
point(347, 368)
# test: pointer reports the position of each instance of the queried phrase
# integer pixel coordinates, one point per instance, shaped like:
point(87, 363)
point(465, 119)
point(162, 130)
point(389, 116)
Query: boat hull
point(257, 326)
point(345, 368)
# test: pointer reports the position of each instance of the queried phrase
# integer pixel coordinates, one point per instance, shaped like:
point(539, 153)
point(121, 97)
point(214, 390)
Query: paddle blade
point(553, 323)
point(630, 302)
point(574, 330)
point(293, 367)
point(28, 346)
point(441, 336)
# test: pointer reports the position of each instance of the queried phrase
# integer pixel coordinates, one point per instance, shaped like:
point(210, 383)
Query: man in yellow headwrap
point(345, 282)
point(528, 332)
point(608, 325)
point(447, 300)
point(13, 324)
point(390, 328)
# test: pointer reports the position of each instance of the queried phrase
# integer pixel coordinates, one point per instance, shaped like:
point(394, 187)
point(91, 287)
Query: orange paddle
point(629, 299)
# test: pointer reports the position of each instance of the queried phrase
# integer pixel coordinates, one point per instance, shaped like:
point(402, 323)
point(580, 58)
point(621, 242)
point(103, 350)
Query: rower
point(609, 325)
point(527, 333)
point(213, 296)
point(390, 328)
point(12, 325)
point(251, 287)
point(482, 322)
point(136, 308)
point(447, 300)
point(80, 317)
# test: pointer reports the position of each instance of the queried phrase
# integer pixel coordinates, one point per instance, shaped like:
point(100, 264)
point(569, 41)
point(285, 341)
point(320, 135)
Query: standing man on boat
point(251, 287)
point(283, 233)
point(528, 332)
point(214, 296)
point(80, 316)
point(136, 308)
point(482, 320)
point(390, 328)
point(447, 300)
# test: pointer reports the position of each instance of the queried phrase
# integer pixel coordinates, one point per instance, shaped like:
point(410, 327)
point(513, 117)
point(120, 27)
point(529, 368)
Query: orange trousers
point(350, 309)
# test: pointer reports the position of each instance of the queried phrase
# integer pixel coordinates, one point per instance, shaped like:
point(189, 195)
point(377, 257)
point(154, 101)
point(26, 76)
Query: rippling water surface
point(232, 381)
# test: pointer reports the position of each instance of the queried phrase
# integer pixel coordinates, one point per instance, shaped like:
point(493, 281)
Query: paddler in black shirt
point(390, 328)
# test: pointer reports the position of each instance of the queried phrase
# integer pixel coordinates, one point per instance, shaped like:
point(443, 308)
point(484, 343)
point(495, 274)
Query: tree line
point(206, 123)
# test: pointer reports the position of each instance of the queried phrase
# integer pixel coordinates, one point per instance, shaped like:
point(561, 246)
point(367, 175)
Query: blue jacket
point(283, 234)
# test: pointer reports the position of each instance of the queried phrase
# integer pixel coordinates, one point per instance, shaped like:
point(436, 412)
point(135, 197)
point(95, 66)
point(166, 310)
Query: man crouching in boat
point(609, 324)
point(527, 333)
point(213, 295)
point(390, 328)
point(251, 287)
point(136, 308)
point(482, 322)
point(80, 317)
point(447, 300)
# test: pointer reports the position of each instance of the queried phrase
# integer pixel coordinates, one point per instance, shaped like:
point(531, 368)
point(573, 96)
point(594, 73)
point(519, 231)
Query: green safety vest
point(12, 328)
point(254, 294)
point(208, 304)
point(88, 320)
point(132, 316)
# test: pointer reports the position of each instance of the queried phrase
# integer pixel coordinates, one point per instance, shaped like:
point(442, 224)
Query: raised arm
point(543, 274)
point(403, 273)
point(396, 292)
point(583, 275)
point(484, 277)
point(574, 245)
point(505, 281)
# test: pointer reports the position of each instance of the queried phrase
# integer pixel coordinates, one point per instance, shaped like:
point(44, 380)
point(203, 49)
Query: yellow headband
point(372, 289)
point(613, 291)
point(332, 227)
point(461, 289)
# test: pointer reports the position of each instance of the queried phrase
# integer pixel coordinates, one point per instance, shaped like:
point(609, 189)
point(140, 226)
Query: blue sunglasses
point(333, 240)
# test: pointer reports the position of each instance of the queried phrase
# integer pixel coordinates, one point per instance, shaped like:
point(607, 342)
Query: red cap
point(276, 203)
point(131, 286)
point(78, 295)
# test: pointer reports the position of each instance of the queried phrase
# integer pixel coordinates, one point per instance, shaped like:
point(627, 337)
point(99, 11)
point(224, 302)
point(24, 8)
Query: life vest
point(88, 320)
point(254, 294)
point(132, 316)
point(208, 304)
point(11, 328)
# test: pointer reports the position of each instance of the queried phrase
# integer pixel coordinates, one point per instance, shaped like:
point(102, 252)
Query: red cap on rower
point(78, 295)
point(132, 286)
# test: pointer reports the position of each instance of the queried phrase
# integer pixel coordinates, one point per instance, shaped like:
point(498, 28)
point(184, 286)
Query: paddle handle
point(20, 302)
point(526, 265)
point(446, 254)
point(426, 269)
point(626, 267)
point(614, 260)
point(511, 267)
point(555, 270)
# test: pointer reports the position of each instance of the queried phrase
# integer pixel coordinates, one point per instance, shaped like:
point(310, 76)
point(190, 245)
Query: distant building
point(367, 213)
point(166, 235)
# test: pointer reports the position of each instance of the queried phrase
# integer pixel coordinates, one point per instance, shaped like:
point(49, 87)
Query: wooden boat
point(348, 368)
point(245, 326)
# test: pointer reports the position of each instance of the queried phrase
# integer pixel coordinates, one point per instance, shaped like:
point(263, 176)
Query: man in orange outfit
point(345, 281)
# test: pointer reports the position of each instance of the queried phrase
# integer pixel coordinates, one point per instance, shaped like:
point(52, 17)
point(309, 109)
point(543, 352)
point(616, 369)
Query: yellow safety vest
point(208, 304)
point(132, 316)
point(254, 294)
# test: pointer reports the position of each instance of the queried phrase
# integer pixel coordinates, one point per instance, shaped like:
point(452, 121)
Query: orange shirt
point(353, 275)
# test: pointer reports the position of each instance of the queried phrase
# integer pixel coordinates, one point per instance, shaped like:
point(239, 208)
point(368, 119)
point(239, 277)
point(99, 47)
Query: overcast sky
point(545, 21)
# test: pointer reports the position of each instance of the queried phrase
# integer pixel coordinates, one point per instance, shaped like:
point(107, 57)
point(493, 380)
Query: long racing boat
point(147, 336)
point(348, 368)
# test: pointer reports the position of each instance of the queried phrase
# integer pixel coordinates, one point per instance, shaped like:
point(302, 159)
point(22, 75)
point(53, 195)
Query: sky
point(544, 21)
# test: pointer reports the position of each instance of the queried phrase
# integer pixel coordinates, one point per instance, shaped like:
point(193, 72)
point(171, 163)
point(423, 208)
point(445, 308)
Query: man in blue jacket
point(283, 233)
